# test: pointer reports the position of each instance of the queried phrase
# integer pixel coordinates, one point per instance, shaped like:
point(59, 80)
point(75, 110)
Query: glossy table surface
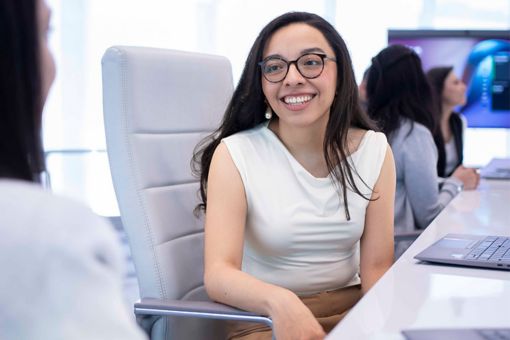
point(417, 295)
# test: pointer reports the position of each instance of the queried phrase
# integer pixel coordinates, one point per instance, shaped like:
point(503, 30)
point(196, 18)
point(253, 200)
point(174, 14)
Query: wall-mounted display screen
point(480, 58)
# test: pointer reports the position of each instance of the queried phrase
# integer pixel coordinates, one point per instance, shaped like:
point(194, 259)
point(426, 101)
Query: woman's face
point(46, 57)
point(454, 91)
point(298, 101)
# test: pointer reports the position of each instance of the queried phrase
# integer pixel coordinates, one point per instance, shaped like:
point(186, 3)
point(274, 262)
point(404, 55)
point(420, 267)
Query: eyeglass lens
point(309, 65)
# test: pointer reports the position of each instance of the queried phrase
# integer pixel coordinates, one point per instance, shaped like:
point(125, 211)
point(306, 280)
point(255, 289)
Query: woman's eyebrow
point(273, 56)
point(312, 50)
point(305, 51)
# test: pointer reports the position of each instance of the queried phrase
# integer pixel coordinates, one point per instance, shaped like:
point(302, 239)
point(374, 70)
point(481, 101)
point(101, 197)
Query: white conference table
point(417, 295)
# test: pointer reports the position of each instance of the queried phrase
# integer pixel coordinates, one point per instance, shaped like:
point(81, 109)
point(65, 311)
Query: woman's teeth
point(297, 100)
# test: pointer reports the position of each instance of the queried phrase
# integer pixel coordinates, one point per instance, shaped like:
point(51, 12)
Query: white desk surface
point(417, 295)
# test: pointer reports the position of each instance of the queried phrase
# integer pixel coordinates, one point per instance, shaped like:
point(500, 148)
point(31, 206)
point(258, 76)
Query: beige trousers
point(328, 307)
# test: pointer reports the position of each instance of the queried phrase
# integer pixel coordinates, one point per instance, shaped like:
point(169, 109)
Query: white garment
point(452, 158)
point(61, 270)
point(297, 235)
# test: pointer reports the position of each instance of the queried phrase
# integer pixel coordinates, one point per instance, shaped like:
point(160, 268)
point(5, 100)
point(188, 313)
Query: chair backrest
point(158, 104)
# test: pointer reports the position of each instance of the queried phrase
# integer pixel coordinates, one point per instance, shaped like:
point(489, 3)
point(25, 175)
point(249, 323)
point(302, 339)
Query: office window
point(83, 29)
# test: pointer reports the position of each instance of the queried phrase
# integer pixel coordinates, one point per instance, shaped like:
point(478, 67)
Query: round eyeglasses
point(309, 65)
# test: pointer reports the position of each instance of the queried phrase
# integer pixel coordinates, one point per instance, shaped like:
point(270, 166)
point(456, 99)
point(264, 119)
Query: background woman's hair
point(397, 88)
point(437, 77)
point(247, 106)
point(21, 153)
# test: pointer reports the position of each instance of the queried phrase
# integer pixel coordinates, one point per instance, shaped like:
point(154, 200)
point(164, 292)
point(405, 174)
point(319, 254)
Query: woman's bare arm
point(377, 240)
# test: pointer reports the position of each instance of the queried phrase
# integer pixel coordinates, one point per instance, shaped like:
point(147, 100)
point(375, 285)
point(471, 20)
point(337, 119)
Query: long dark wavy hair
point(246, 108)
point(437, 77)
point(397, 88)
point(21, 153)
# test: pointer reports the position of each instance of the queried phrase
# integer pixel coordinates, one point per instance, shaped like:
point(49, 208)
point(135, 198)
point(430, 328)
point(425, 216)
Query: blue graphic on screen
point(482, 63)
point(487, 76)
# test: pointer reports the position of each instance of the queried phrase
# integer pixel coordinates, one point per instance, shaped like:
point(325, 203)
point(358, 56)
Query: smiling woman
point(303, 94)
point(297, 187)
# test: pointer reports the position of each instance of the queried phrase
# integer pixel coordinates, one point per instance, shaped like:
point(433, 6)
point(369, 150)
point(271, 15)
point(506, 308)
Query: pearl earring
point(269, 113)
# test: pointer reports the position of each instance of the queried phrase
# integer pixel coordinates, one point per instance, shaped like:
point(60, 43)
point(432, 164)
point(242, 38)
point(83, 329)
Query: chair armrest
point(197, 309)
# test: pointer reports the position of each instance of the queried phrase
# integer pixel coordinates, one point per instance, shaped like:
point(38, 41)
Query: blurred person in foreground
point(61, 264)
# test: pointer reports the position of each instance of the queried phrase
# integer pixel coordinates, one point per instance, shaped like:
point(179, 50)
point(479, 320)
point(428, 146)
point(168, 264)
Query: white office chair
point(158, 104)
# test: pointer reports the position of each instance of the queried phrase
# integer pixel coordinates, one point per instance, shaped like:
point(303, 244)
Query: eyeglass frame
point(323, 57)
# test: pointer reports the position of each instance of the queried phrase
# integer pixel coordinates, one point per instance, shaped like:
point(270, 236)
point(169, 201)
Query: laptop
point(469, 250)
point(457, 334)
point(498, 168)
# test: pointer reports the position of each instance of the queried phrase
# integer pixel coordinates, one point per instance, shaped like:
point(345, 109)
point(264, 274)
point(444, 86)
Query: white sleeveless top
point(297, 235)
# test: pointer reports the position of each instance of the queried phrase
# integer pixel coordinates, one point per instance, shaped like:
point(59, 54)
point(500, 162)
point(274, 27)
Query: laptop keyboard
point(495, 334)
point(491, 249)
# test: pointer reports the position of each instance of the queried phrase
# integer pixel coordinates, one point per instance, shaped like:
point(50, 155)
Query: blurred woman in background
point(450, 93)
point(400, 100)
